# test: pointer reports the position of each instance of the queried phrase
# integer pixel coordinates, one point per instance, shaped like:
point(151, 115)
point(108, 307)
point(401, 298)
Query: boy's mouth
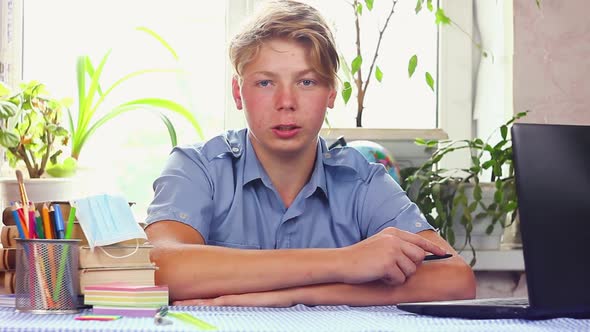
point(285, 127)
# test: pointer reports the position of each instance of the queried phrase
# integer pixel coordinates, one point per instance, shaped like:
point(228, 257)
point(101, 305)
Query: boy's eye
point(307, 82)
point(263, 83)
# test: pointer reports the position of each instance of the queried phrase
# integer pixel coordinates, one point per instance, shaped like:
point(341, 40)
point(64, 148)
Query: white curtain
point(10, 43)
point(493, 88)
point(10, 55)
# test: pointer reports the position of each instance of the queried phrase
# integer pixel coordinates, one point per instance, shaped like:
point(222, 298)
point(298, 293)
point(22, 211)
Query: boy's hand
point(277, 298)
point(391, 255)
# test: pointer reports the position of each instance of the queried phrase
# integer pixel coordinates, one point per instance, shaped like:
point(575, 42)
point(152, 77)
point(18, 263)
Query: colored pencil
point(23, 195)
point(70, 226)
point(46, 221)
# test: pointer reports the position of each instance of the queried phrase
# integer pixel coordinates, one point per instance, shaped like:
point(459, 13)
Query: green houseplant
point(353, 70)
point(455, 197)
point(91, 114)
point(30, 127)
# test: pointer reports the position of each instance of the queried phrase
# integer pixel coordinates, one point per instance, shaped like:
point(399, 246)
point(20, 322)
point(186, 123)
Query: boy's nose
point(285, 99)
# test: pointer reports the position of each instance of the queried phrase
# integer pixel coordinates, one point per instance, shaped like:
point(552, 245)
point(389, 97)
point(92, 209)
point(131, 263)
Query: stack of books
point(125, 300)
point(7, 300)
point(96, 267)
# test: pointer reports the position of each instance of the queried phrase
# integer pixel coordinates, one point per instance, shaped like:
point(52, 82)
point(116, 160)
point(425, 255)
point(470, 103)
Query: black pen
point(435, 257)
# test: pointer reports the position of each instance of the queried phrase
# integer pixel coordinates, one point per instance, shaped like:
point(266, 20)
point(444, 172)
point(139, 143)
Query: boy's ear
point(332, 97)
point(235, 85)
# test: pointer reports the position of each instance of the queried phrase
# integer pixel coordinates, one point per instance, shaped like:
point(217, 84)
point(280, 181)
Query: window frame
point(456, 65)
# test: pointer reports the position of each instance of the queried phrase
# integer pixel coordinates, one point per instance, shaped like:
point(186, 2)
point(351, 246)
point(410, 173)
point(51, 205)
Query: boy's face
point(284, 100)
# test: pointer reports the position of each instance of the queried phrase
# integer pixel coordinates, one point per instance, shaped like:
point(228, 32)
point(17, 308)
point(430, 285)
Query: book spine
point(8, 234)
point(8, 280)
point(7, 259)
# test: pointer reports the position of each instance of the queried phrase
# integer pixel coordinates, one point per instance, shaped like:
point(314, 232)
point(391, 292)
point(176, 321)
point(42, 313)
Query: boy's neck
point(289, 174)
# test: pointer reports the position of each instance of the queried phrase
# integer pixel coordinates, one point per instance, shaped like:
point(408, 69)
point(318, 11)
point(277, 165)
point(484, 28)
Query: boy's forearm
point(200, 271)
point(433, 281)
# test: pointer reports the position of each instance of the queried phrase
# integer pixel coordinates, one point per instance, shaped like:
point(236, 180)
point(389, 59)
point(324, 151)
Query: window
point(132, 153)
point(398, 101)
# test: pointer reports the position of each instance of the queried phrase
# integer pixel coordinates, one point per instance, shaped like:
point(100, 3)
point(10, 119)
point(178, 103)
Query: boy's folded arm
point(446, 279)
point(192, 269)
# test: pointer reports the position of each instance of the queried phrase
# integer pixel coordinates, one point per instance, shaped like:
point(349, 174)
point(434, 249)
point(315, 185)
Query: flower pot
point(38, 190)
point(50, 189)
point(480, 240)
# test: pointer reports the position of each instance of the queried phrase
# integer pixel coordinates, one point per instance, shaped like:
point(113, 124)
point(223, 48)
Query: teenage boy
point(268, 216)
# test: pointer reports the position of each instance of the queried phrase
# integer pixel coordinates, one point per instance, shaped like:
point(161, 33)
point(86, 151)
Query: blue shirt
point(220, 189)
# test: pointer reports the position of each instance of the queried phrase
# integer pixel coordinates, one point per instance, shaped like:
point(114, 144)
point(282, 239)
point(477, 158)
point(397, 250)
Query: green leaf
point(159, 39)
point(4, 89)
point(504, 131)
point(441, 18)
point(356, 64)
point(450, 236)
point(346, 92)
point(412, 64)
point(170, 128)
point(9, 139)
point(359, 8)
point(489, 229)
point(420, 141)
point(431, 143)
point(429, 5)
point(498, 196)
point(488, 164)
point(66, 169)
point(418, 6)
point(369, 4)
point(378, 74)
point(477, 193)
point(7, 109)
point(142, 104)
point(429, 81)
point(345, 69)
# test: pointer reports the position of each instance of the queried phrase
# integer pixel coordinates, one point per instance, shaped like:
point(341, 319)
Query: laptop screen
point(552, 167)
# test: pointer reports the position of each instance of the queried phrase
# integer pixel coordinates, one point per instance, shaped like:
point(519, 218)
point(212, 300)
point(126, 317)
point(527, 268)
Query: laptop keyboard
point(520, 301)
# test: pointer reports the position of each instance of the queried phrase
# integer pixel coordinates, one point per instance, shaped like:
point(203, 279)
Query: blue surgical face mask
point(106, 219)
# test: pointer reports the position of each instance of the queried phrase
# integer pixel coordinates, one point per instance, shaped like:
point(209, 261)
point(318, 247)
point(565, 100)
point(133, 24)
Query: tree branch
point(379, 44)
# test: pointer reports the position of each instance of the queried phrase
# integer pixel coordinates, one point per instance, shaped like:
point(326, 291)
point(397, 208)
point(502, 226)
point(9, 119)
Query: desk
point(298, 318)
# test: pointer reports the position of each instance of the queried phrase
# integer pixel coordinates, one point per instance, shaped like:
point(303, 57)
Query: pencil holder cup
point(47, 276)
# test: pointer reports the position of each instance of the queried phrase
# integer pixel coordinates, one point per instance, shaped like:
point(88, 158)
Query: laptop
point(552, 169)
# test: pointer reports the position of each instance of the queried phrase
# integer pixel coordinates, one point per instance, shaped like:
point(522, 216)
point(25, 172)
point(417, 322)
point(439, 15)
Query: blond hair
point(291, 20)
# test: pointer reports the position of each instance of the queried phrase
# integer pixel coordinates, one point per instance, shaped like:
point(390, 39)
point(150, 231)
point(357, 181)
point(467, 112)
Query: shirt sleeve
point(183, 192)
point(387, 205)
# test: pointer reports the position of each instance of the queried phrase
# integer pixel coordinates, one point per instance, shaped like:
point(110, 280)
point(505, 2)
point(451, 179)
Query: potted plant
point(353, 69)
point(456, 200)
point(361, 71)
point(91, 114)
point(30, 130)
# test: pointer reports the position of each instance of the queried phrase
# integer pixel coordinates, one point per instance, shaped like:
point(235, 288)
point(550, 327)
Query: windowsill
point(383, 134)
point(496, 260)
point(399, 142)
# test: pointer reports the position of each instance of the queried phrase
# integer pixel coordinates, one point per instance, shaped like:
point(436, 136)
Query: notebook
point(552, 168)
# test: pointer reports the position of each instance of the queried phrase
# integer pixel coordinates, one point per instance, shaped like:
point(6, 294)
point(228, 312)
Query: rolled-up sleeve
point(183, 192)
point(387, 205)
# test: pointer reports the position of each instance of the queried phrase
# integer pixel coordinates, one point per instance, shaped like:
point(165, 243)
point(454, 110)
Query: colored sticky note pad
point(98, 317)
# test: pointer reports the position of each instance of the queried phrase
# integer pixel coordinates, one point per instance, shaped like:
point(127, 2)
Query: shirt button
point(183, 216)
point(418, 224)
point(327, 155)
point(235, 149)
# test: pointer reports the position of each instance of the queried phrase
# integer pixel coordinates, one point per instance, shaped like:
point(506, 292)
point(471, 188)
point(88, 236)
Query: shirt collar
point(253, 169)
